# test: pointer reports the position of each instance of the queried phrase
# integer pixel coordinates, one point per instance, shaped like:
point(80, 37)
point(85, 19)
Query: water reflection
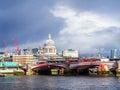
point(59, 83)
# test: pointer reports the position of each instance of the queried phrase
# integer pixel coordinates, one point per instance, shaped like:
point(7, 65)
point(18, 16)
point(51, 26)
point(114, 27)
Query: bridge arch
point(45, 69)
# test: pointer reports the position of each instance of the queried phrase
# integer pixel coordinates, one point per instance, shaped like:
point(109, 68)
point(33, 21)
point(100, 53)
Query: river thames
point(59, 83)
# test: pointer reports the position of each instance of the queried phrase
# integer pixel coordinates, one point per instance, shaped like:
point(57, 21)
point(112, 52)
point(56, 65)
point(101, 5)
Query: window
point(50, 50)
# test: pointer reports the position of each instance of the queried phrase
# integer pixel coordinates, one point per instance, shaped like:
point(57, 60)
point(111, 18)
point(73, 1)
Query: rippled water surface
point(59, 83)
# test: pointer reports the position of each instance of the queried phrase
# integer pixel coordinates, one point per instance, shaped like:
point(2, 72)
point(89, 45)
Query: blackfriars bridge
point(70, 65)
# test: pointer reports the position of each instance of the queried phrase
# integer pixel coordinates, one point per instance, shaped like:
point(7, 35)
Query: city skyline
point(83, 25)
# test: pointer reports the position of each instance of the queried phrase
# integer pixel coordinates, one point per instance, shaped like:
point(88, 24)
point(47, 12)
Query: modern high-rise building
point(114, 53)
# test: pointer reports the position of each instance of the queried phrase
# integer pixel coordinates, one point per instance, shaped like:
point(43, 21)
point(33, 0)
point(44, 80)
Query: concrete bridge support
point(118, 69)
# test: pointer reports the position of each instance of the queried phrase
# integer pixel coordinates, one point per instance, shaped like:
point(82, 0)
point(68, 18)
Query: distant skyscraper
point(114, 53)
point(118, 53)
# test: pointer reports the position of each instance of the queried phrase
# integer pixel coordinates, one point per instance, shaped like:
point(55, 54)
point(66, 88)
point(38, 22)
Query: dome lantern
point(49, 41)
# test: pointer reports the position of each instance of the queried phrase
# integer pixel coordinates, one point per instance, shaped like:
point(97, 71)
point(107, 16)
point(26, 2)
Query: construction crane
point(7, 50)
point(15, 42)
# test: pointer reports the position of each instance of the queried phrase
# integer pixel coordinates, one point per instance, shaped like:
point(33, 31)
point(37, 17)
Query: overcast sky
point(86, 25)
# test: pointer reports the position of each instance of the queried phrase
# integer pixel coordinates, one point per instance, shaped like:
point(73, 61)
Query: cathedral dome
point(49, 41)
point(49, 48)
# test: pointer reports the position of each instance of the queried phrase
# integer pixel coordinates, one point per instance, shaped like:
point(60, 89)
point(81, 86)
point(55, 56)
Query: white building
point(49, 48)
point(70, 53)
point(104, 59)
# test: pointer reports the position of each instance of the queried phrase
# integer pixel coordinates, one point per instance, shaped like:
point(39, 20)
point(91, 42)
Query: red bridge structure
point(70, 65)
point(45, 68)
point(47, 65)
point(110, 64)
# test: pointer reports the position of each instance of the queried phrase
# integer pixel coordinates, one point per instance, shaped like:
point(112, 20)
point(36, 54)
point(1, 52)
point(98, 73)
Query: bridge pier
point(118, 69)
point(28, 70)
point(57, 71)
point(31, 72)
point(67, 71)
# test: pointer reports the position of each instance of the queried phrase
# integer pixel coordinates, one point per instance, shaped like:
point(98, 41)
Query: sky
point(85, 25)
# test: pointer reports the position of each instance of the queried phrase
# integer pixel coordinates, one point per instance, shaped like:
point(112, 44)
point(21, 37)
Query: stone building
point(49, 48)
point(23, 59)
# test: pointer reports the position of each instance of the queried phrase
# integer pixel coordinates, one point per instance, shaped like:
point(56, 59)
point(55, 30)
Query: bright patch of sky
point(86, 30)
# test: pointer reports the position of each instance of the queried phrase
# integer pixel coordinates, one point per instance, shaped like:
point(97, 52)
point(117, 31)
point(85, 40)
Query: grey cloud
point(27, 20)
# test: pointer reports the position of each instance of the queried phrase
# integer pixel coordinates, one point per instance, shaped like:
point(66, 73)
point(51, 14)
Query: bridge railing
point(96, 63)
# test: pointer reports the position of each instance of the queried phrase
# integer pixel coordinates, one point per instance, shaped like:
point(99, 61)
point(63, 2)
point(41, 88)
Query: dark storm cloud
point(27, 20)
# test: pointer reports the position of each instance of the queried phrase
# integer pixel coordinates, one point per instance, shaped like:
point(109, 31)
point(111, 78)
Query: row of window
point(46, 50)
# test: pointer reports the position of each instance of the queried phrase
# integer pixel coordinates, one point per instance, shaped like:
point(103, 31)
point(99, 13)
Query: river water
point(59, 83)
